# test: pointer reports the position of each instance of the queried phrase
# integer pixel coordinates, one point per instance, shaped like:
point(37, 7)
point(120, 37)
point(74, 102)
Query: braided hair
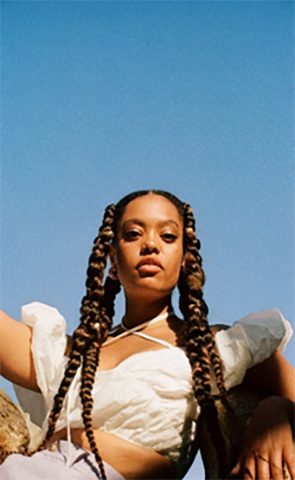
point(200, 344)
point(97, 311)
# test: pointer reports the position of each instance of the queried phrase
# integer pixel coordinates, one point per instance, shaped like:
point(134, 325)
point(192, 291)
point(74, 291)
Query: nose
point(149, 246)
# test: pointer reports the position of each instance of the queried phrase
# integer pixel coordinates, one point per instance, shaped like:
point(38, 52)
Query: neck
point(140, 312)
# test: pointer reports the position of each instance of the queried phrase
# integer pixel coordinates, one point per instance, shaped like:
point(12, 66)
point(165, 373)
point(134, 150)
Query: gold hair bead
point(97, 326)
point(189, 230)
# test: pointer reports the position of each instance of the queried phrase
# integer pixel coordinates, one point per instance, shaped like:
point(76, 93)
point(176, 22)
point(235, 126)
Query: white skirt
point(51, 464)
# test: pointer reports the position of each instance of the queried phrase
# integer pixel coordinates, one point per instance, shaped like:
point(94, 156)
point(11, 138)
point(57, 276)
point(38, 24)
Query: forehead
point(151, 207)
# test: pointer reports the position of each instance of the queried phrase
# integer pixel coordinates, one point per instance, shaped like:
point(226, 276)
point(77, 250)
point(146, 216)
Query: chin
point(149, 286)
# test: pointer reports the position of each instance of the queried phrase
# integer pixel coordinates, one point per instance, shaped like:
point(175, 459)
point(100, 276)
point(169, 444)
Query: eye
point(169, 237)
point(131, 234)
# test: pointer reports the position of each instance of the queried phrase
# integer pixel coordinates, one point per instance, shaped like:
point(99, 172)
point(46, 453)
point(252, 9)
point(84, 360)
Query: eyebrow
point(161, 223)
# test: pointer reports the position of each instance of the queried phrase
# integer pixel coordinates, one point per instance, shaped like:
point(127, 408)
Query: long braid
point(200, 344)
point(97, 311)
point(91, 309)
point(193, 247)
point(89, 368)
point(94, 323)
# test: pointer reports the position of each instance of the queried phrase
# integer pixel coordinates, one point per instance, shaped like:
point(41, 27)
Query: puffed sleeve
point(48, 349)
point(250, 341)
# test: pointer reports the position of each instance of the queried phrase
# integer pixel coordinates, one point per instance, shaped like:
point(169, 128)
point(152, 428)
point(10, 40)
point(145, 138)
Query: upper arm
point(17, 363)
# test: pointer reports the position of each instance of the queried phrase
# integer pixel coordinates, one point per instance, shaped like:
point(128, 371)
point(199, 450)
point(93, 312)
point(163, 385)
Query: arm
point(121, 454)
point(268, 440)
point(16, 356)
point(274, 376)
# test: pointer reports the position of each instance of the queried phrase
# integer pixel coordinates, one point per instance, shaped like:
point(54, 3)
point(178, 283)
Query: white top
point(148, 398)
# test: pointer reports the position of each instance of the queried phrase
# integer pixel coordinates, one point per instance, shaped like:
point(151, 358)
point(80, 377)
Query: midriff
point(129, 459)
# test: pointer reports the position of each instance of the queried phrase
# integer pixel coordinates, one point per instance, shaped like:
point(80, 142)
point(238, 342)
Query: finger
point(289, 458)
point(249, 468)
point(262, 468)
point(245, 467)
point(235, 471)
point(276, 466)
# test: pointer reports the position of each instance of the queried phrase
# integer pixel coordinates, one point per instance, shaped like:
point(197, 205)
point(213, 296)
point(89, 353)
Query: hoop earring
point(113, 274)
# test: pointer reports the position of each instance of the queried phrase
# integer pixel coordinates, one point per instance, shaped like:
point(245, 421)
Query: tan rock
point(14, 434)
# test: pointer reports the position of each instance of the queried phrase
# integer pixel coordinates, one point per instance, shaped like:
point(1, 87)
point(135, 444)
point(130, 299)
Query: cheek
point(177, 260)
point(124, 261)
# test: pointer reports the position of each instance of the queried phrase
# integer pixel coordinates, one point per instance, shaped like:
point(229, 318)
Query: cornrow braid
point(200, 345)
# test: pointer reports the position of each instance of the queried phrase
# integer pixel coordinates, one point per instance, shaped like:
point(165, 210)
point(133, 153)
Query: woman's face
point(148, 250)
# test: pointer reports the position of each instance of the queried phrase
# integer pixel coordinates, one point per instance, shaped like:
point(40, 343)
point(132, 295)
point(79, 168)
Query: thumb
point(236, 471)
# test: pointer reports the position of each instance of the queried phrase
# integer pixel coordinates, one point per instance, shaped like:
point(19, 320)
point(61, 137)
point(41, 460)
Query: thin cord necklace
point(128, 331)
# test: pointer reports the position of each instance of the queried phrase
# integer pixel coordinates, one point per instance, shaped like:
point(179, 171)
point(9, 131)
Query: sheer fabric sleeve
point(48, 348)
point(250, 341)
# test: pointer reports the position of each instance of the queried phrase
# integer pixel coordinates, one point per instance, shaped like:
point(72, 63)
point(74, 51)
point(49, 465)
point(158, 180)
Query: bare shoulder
point(177, 329)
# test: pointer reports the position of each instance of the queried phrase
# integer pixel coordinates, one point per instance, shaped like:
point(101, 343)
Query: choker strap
point(128, 331)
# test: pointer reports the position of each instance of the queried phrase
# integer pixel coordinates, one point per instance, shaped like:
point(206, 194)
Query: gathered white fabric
point(147, 399)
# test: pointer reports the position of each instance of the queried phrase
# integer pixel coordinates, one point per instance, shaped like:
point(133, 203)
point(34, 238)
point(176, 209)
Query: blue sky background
point(103, 98)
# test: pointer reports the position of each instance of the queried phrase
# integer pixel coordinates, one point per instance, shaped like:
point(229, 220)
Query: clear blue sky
point(103, 98)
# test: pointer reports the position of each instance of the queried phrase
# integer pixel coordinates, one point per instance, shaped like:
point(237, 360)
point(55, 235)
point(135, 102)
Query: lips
point(149, 261)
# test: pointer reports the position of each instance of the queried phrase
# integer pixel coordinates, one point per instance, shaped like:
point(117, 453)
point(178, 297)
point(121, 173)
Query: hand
point(268, 441)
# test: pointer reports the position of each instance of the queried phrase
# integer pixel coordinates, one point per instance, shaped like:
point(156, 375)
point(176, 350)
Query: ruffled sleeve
point(250, 341)
point(48, 349)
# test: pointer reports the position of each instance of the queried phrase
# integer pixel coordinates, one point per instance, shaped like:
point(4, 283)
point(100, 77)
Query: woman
point(144, 382)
